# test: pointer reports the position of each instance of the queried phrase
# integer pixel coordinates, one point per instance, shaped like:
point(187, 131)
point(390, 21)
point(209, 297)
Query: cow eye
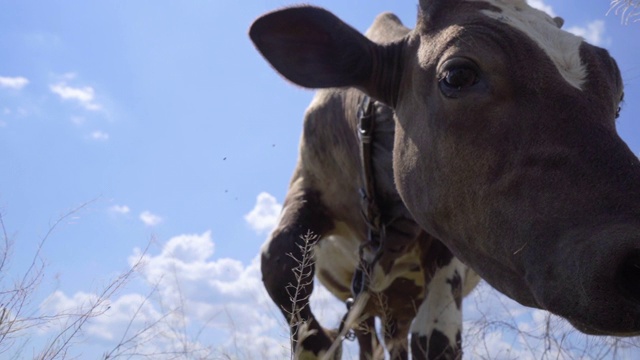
point(458, 75)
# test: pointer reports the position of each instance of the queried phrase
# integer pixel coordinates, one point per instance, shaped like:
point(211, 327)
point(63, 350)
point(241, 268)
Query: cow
point(324, 199)
point(505, 158)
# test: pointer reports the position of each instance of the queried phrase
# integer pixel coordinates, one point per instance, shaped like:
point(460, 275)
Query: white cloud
point(132, 316)
point(187, 260)
point(85, 96)
point(189, 248)
point(540, 5)
point(229, 294)
point(199, 301)
point(150, 219)
point(218, 308)
point(593, 32)
point(66, 92)
point(78, 120)
point(22, 112)
point(59, 303)
point(15, 83)
point(68, 76)
point(99, 136)
point(120, 209)
point(497, 327)
point(44, 42)
point(264, 215)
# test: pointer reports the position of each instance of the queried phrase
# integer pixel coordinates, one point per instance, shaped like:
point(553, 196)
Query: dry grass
point(298, 297)
point(628, 10)
point(498, 328)
point(19, 317)
point(495, 328)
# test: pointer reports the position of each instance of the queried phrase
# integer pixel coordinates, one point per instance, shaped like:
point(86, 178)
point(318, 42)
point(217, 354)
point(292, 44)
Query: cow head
point(505, 145)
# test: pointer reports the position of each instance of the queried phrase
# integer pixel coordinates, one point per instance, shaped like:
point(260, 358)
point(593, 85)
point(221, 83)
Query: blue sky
point(165, 122)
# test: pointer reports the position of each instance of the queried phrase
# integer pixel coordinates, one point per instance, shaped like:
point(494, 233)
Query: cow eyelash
point(619, 110)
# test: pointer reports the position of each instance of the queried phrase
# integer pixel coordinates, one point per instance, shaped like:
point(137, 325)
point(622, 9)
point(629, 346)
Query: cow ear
point(313, 48)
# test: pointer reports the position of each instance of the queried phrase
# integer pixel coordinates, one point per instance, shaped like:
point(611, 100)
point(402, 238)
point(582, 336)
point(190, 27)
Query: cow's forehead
point(562, 47)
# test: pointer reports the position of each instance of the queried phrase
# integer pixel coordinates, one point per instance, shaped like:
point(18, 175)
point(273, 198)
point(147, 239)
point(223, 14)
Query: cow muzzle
point(594, 283)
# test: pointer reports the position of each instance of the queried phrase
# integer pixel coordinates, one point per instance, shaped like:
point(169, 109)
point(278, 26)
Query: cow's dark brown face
point(505, 146)
point(518, 167)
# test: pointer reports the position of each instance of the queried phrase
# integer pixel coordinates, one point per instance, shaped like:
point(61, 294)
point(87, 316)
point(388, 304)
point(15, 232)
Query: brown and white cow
point(504, 148)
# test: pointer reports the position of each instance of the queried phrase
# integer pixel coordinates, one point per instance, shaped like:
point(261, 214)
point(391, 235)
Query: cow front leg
point(288, 270)
point(436, 331)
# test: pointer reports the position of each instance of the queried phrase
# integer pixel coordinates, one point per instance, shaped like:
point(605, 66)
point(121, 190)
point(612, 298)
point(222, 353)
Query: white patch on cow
point(406, 266)
point(470, 281)
point(303, 354)
point(439, 311)
point(562, 47)
point(336, 256)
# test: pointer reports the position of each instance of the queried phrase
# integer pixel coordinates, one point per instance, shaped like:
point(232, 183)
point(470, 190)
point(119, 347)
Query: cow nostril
point(629, 277)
